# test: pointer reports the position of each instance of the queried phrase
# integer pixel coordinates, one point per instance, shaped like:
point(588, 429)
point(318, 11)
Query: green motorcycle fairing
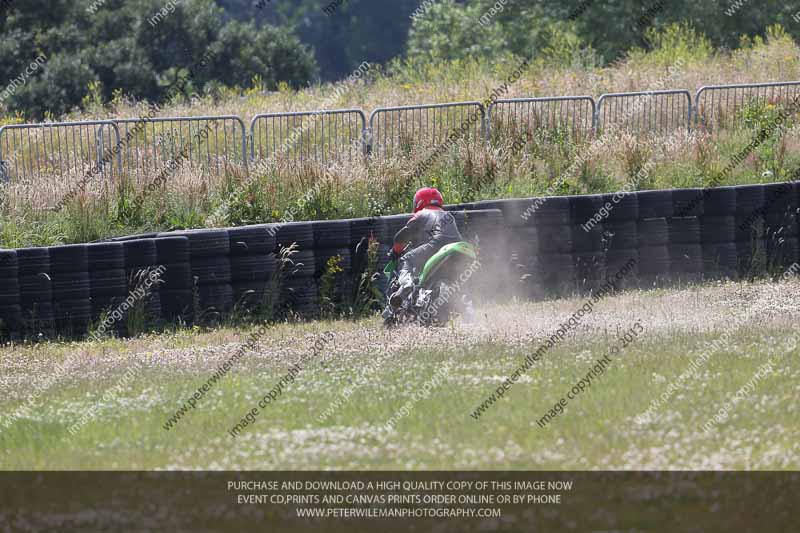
point(434, 263)
point(446, 252)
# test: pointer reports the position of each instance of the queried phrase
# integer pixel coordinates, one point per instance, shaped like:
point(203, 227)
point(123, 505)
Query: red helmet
point(428, 197)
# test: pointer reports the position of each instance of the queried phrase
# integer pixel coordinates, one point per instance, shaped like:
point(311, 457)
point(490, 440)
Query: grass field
point(317, 422)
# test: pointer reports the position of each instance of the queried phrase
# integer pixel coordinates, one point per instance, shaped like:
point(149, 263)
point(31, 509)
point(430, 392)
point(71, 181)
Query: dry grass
point(195, 197)
point(777, 59)
point(598, 431)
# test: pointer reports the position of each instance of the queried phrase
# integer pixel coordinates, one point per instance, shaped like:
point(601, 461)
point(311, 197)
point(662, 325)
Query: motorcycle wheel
point(435, 314)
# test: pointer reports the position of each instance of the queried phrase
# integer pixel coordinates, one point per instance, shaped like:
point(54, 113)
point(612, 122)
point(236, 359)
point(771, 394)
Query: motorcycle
point(434, 296)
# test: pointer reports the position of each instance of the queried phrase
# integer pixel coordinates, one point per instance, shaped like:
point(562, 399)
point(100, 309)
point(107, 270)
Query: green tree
point(357, 31)
point(126, 45)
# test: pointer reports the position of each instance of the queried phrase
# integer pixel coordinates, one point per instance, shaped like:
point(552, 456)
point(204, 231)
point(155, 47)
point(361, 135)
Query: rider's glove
point(396, 251)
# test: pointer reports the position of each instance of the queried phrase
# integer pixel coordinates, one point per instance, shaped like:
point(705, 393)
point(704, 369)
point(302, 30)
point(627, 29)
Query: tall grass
point(468, 171)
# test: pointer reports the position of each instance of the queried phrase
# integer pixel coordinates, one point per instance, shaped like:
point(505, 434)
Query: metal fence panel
point(150, 143)
point(63, 152)
point(524, 117)
point(399, 130)
point(720, 105)
point(58, 152)
point(660, 112)
point(320, 136)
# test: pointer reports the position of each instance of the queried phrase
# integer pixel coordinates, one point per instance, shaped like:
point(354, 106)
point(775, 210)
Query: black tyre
point(584, 208)
point(555, 239)
point(491, 204)
point(524, 240)
point(624, 206)
point(106, 256)
point(622, 266)
point(688, 202)
point(299, 233)
point(217, 297)
point(652, 232)
point(720, 260)
point(205, 243)
point(487, 228)
point(300, 264)
point(176, 276)
point(752, 254)
point(301, 296)
point(172, 250)
point(33, 261)
point(547, 210)
point(460, 207)
point(108, 283)
point(253, 240)
point(483, 220)
point(718, 229)
point(149, 277)
point(654, 261)
point(749, 200)
point(138, 236)
point(211, 270)
point(152, 308)
point(140, 253)
point(387, 227)
point(593, 240)
point(686, 258)
point(684, 230)
point(749, 228)
point(558, 273)
point(106, 304)
point(70, 258)
point(590, 270)
point(72, 317)
point(252, 267)
point(9, 278)
point(655, 204)
point(331, 233)
point(782, 253)
point(720, 202)
point(621, 235)
point(71, 286)
point(361, 228)
point(784, 225)
point(38, 319)
point(253, 294)
point(9, 263)
point(35, 289)
point(9, 292)
point(517, 212)
point(780, 199)
point(10, 320)
point(177, 304)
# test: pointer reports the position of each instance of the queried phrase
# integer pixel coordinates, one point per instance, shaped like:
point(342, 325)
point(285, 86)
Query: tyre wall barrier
point(529, 248)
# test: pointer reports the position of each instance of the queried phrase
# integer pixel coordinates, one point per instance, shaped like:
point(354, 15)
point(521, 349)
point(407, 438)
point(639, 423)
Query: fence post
point(366, 140)
point(485, 124)
point(4, 175)
point(99, 143)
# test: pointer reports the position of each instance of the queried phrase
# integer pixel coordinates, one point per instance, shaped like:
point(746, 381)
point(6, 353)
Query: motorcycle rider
point(430, 228)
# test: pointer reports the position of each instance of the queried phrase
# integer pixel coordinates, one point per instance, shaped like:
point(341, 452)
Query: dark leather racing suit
point(428, 230)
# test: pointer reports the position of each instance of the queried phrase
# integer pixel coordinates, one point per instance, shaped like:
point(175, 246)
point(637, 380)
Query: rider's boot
point(405, 283)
